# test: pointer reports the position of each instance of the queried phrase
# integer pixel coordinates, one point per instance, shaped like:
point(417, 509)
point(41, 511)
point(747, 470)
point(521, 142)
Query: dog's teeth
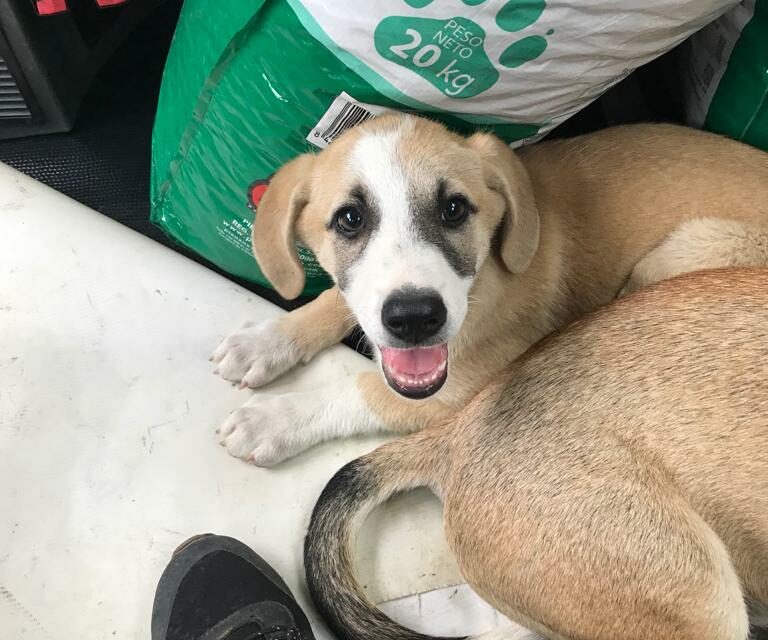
point(418, 381)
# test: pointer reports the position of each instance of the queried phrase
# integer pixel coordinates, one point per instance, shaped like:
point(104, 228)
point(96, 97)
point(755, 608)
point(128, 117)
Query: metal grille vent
point(12, 103)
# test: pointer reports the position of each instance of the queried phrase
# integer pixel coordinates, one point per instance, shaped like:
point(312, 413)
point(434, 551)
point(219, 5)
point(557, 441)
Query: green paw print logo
point(450, 52)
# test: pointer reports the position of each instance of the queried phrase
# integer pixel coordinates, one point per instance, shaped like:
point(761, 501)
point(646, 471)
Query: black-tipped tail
point(342, 508)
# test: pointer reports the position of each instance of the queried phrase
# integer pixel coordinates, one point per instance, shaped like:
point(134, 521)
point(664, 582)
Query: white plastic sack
point(516, 61)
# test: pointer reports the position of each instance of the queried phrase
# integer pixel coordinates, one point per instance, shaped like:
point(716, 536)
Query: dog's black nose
point(414, 315)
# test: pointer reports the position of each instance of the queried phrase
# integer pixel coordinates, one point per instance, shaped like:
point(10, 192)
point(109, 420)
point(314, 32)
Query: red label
point(50, 7)
point(256, 192)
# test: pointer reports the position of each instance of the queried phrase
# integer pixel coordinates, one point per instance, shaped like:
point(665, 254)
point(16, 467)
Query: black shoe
point(216, 588)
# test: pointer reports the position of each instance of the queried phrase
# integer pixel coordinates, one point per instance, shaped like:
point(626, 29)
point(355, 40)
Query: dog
point(455, 254)
point(611, 484)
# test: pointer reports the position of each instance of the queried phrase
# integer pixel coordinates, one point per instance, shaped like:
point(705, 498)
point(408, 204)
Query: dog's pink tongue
point(416, 361)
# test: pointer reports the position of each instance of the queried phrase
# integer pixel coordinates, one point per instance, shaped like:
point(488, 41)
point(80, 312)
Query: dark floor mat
point(104, 161)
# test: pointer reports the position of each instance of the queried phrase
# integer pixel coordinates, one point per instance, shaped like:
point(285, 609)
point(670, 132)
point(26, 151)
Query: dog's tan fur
point(577, 217)
point(611, 484)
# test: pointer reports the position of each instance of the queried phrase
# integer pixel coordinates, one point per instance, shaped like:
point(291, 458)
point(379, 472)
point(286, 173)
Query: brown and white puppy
point(456, 254)
point(611, 484)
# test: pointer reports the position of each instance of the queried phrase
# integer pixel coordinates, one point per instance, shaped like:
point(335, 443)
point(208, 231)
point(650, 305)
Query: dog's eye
point(455, 211)
point(349, 221)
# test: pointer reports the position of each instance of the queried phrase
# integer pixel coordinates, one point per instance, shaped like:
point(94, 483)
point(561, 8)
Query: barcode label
point(344, 113)
point(348, 117)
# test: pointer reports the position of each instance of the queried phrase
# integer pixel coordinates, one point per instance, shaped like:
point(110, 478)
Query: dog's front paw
point(270, 428)
point(255, 355)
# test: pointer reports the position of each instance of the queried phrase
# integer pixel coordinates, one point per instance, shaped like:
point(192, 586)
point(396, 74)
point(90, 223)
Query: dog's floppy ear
point(274, 235)
point(506, 175)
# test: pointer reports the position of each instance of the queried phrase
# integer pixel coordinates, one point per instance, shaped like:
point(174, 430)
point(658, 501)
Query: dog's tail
point(346, 501)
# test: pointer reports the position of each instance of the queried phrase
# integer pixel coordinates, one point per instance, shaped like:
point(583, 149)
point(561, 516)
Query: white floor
point(451, 611)
point(107, 415)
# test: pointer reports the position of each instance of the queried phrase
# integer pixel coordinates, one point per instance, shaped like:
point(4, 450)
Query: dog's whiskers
point(360, 340)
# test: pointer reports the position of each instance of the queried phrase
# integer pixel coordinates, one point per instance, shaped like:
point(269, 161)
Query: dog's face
point(402, 214)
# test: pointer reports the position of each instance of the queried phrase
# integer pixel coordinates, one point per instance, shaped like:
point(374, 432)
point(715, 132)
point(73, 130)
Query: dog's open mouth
point(417, 372)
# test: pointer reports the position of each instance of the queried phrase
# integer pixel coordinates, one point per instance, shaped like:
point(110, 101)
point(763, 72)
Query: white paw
point(271, 428)
point(255, 355)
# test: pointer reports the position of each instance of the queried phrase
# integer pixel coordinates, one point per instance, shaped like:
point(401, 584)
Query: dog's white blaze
point(395, 256)
point(374, 161)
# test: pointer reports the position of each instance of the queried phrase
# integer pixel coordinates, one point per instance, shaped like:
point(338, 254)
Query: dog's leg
point(271, 428)
point(260, 352)
point(689, 590)
point(704, 243)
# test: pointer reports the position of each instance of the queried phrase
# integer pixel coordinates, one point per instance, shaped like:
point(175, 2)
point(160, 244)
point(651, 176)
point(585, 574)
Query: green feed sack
point(250, 84)
point(726, 74)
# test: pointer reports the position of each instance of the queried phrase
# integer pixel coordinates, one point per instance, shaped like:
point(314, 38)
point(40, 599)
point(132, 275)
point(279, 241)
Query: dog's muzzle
point(414, 317)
